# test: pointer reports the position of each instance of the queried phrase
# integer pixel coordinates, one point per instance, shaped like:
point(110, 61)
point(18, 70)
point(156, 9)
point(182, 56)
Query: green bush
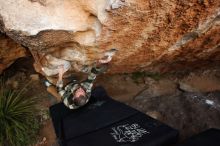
point(18, 123)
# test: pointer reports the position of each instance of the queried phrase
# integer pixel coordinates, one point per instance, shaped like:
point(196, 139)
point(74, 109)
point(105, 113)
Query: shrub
point(18, 125)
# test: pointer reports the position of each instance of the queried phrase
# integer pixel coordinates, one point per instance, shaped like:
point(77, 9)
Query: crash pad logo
point(128, 133)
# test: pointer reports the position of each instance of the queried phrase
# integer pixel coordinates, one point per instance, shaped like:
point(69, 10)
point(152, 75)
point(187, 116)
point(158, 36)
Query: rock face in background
point(151, 35)
point(9, 52)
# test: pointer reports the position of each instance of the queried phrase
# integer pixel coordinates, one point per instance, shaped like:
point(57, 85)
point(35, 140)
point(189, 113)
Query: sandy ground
point(189, 103)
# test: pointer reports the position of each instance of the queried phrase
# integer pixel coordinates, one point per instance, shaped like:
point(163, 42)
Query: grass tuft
point(18, 123)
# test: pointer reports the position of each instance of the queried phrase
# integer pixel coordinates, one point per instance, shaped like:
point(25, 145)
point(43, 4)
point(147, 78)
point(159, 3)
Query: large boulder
point(9, 52)
point(151, 35)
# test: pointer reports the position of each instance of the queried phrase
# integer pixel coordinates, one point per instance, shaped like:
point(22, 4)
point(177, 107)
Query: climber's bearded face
point(79, 92)
point(80, 98)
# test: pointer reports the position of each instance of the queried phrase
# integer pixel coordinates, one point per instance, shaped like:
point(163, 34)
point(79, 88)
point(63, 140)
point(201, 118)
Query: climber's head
point(79, 97)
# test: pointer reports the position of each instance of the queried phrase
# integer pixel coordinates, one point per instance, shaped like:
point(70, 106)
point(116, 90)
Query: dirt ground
point(189, 103)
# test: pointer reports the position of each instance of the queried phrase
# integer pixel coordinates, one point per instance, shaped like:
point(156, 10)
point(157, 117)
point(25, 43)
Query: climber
point(76, 94)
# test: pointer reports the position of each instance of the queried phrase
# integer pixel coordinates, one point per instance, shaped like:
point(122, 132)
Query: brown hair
point(80, 101)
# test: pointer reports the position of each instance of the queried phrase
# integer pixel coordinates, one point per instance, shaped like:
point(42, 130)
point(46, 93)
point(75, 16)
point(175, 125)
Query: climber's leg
point(60, 76)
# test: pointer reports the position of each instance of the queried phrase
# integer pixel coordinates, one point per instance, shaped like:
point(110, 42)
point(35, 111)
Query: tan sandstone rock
point(200, 82)
point(9, 52)
point(151, 35)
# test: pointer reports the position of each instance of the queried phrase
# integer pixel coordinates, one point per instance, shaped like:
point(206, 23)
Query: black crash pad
point(210, 137)
point(106, 122)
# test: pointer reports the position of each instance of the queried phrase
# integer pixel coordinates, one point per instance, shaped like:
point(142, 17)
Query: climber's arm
point(53, 91)
point(100, 66)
